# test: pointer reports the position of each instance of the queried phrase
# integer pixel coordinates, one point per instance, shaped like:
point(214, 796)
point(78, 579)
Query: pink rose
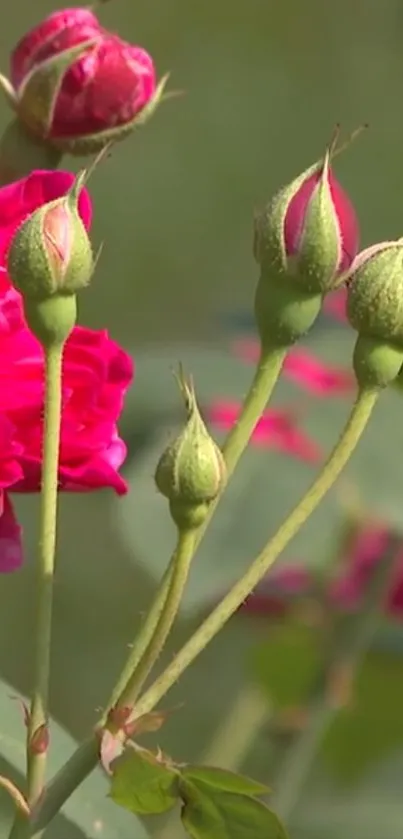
point(96, 375)
point(103, 88)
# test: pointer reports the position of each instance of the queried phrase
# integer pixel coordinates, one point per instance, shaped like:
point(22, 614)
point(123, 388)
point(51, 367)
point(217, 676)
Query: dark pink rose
point(344, 214)
point(105, 87)
point(96, 375)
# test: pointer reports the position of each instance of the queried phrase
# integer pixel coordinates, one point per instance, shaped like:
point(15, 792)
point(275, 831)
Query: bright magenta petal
point(11, 554)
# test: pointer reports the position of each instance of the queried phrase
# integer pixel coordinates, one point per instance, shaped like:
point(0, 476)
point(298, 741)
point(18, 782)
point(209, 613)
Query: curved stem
point(142, 639)
point(179, 565)
point(85, 758)
point(232, 601)
point(266, 375)
point(267, 372)
point(38, 715)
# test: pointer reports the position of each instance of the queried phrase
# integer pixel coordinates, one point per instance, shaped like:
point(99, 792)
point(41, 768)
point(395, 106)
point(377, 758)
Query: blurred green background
point(263, 84)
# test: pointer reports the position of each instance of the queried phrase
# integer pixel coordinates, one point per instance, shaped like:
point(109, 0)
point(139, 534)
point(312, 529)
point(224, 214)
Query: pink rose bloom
point(96, 375)
point(103, 88)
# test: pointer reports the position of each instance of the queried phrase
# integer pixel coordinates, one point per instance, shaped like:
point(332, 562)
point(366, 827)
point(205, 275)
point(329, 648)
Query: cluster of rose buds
point(306, 243)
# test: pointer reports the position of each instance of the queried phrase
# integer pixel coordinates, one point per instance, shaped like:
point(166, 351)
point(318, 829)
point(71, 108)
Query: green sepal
point(319, 249)
point(29, 264)
point(269, 245)
point(39, 91)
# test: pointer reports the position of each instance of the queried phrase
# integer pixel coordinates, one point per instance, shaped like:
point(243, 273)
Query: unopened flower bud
point(375, 310)
point(191, 471)
point(308, 233)
point(51, 253)
point(79, 87)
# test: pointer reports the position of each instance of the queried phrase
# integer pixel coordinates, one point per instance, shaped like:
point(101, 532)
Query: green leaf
point(372, 728)
point(214, 814)
point(223, 779)
point(142, 784)
point(286, 663)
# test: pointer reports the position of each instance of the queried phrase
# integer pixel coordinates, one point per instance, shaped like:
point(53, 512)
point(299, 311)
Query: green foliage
point(286, 663)
point(372, 727)
point(210, 813)
point(143, 784)
point(222, 779)
point(216, 803)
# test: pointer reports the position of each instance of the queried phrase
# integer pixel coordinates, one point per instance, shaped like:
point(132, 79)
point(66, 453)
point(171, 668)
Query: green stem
point(80, 763)
point(85, 758)
point(265, 378)
point(142, 639)
point(351, 641)
point(37, 732)
point(180, 565)
point(20, 154)
point(38, 716)
point(267, 372)
point(353, 430)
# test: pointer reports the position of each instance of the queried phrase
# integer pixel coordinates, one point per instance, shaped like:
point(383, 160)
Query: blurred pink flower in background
point(276, 429)
point(335, 304)
point(105, 87)
point(345, 589)
point(96, 375)
point(305, 369)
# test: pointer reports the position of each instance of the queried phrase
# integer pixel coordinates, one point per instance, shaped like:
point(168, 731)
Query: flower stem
point(266, 375)
point(20, 154)
point(349, 645)
point(85, 758)
point(341, 453)
point(142, 639)
point(37, 733)
point(180, 565)
point(38, 716)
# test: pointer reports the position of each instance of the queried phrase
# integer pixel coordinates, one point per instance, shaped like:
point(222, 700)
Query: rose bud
point(78, 86)
point(49, 260)
point(191, 471)
point(375, 310)
point(309, 231)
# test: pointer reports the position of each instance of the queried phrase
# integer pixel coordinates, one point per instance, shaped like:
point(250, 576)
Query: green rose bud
point(51, 253)
point(375, 310)
point(191, 471)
